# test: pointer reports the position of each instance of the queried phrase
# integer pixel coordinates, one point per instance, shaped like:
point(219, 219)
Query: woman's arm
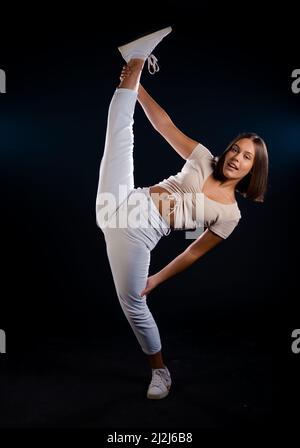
point(157, 116)
point(206, 241)
point(163, 124)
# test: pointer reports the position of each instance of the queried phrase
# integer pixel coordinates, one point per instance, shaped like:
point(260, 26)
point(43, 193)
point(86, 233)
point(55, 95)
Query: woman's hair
point(252, 186)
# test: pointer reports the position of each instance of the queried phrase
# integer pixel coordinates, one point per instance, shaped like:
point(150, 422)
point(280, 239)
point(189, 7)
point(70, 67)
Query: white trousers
point(128, 248)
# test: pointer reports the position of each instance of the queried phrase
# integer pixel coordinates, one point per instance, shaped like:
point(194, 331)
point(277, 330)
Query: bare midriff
point(164, 204)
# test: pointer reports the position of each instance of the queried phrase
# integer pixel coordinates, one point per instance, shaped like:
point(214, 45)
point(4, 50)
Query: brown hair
point(253, 186)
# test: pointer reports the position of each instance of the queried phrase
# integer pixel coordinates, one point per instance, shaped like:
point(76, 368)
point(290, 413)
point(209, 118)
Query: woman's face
point(239, 159)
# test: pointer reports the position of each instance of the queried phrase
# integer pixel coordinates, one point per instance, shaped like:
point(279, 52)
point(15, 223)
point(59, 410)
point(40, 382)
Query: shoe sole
point(158, 397)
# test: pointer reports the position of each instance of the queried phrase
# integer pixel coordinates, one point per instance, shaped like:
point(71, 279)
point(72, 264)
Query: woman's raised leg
point(116, 179)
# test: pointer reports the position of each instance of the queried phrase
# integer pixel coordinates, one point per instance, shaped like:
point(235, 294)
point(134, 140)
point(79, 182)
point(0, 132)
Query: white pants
point(128, 248)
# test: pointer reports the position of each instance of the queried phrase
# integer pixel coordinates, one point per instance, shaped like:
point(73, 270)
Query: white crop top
point(192, 208)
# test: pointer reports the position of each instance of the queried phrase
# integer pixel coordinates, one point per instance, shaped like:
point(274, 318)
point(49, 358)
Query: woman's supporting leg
point(129, 260)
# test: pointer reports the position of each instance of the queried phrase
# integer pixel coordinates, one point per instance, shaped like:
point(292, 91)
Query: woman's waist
point(165, 202)
point(179, 209)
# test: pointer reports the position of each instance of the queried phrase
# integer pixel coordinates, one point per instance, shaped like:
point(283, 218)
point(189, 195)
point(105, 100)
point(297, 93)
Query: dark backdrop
point(224, 70)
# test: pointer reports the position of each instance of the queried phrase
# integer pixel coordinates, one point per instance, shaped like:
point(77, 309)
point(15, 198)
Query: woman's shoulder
point(200, 152)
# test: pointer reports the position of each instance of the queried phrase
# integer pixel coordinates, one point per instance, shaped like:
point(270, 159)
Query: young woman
point(202, 195)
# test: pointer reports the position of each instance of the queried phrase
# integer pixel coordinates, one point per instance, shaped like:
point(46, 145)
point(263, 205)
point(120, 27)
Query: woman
point(202, 195)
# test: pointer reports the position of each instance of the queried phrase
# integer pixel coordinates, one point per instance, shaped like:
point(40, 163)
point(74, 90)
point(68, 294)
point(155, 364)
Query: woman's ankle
point(136, 64)
point(156, 361)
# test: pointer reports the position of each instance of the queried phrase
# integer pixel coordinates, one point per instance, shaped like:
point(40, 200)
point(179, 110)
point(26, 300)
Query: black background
point(225, 69)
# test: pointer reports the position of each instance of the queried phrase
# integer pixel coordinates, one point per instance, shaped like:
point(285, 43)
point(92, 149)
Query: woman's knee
point(135, 307)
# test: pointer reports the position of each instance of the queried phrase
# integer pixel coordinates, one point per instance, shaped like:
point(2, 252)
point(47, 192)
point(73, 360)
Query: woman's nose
point(237, 157)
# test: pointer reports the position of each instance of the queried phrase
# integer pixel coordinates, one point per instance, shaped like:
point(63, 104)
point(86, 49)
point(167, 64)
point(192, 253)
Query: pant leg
point(129, 259)
point(116, 169)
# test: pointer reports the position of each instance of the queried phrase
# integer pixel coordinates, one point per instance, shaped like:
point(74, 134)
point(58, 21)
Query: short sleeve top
point(193, 209)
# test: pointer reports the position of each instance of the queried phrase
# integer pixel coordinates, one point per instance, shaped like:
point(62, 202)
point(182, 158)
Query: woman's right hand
point(126, 71)
point(152, 282)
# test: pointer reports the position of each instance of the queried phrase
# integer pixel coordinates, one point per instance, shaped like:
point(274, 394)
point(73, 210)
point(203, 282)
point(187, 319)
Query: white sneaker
point(160, 384)
point(142, 48)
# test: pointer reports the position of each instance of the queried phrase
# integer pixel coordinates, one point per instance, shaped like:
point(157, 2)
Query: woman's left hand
point(126, 71)
point(150, 285)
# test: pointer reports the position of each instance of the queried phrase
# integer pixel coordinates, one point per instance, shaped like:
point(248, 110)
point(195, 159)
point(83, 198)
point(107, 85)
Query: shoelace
point(157, 379)
point(153, 66)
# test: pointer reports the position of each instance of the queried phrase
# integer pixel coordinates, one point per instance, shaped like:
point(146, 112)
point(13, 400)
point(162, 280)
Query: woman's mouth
point(232, 166)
